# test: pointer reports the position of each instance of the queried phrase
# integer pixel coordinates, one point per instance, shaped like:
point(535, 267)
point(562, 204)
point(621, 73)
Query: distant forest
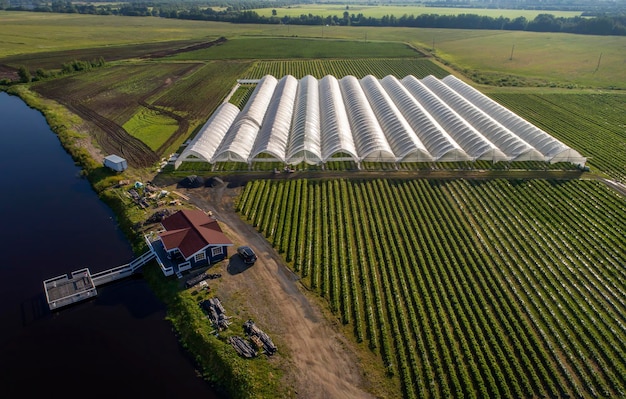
point(613, 23)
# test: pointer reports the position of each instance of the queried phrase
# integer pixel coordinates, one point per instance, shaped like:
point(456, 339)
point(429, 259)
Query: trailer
point(116, 163)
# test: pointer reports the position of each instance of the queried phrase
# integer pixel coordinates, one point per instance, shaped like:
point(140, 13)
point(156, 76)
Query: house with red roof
point(189, 239)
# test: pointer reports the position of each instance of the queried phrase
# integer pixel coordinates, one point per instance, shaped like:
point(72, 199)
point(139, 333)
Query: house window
point(215, 251)
point(200, 256)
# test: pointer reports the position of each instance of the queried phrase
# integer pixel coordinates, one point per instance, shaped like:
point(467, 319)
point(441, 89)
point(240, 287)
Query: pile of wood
point(255, 332)
point(216, 313)
point(242, 347)
point(200, 277)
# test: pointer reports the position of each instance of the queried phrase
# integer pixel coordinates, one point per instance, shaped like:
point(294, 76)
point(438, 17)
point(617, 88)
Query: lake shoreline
point(218, 373)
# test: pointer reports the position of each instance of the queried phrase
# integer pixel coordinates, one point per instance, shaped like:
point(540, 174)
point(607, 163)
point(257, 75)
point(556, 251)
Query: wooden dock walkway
point(81, 285)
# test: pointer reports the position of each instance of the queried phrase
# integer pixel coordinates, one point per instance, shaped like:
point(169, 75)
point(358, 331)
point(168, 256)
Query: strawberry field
point(464, 288)
point(399, 67)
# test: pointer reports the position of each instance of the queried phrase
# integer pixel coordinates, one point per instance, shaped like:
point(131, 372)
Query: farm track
point(194, 47)
point(114, 139)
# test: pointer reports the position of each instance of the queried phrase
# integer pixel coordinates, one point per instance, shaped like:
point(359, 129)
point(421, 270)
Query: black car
point(247, 254)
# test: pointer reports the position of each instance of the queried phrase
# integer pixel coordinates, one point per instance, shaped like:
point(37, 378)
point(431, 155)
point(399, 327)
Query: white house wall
point(387, 120)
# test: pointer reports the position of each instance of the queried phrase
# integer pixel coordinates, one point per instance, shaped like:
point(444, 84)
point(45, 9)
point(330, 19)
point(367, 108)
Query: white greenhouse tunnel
point(370, 120)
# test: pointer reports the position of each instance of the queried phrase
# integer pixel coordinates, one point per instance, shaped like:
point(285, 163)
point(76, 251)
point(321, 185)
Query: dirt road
point(322, 364)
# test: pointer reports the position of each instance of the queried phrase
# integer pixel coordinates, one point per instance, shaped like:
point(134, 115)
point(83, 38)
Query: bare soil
point(320, 362)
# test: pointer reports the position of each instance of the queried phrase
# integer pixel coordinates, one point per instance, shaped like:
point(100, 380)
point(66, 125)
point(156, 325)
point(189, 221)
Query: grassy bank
point(230, 374)
point(214, 357)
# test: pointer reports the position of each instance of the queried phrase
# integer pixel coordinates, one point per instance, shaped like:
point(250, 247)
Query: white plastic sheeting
point(239, 140)
point(388, 120)
point(551, 148)
point(337, 135)
point(204, 145)
point(304, 142)
point(401, 137)
point(274, 135)
point(511, 144)
point(370, 140)
point(471, 140)
point(438, 142)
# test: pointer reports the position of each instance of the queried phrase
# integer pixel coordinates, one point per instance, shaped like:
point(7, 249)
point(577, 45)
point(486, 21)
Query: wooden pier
point(81, 285)
point(65, 290)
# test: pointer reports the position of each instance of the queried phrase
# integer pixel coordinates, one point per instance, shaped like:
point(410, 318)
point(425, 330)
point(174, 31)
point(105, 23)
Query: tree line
point(603, 24)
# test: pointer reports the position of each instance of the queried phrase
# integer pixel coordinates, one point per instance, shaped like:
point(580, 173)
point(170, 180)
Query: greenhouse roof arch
point(274, 133)
point(387, 120)
point(440, 145)
point(401, 137)
point(337, 137)
point(259, 101)
point(237, 143)
point(549, 146)
point(507, 141)
point(473, 142)
point(204, 145)
point(369, 138)
point(305, 139)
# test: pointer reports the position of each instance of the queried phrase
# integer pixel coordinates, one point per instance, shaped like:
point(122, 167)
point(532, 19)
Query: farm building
point(189, 239)
point(370, 120)
point(115, 162)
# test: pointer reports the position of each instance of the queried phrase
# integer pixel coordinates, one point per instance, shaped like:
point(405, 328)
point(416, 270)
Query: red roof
point(191, 231)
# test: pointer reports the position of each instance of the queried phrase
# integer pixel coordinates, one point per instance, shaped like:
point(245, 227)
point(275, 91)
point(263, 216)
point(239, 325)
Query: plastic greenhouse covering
point(551, 148)
point(304, 141)
point(388, 120)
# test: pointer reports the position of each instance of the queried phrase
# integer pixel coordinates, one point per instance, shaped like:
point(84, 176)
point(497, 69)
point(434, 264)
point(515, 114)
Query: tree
point(24, 74)
point(274, 13)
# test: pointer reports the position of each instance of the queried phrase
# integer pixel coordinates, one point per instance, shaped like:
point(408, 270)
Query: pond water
point(52, 223)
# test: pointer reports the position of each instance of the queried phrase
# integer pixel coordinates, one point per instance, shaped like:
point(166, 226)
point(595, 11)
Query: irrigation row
point(465, 289)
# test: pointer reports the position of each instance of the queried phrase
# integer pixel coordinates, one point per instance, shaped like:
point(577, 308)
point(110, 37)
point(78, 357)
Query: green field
point(379, 67)
point(454, 288)
point(593, 124)
point(474, 289)
point(538, 58)
point(151, 127)
point(398, 11)
point(547, 59)
point(294, 48)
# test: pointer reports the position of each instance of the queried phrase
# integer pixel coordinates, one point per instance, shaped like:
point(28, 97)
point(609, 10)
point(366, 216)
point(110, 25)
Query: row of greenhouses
point(370, 120)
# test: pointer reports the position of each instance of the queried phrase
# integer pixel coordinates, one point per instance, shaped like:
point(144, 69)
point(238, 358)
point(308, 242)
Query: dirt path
point(321, 362)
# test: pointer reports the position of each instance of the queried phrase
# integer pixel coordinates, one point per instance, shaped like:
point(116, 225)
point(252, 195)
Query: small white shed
point(116, 163)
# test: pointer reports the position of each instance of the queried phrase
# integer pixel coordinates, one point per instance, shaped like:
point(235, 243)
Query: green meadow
point(151, 127)
point(538, 58)
point(398, 11)
point(296, 48)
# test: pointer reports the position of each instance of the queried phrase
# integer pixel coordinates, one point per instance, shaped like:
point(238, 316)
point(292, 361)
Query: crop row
point(343, 67)
point(465, 289)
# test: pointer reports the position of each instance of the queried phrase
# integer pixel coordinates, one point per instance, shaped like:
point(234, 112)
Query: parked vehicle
point(247, 254)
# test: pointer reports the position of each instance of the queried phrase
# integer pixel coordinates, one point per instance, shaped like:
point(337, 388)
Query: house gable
point(192, 231)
